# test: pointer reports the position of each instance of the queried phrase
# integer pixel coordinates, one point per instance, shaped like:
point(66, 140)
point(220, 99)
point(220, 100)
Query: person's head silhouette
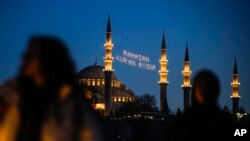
point(45, 78)
point(206, 89)
point(47, 61)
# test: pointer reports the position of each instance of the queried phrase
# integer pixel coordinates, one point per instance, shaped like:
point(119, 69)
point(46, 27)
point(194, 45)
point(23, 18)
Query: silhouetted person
point(50, 106)
point(204, 120)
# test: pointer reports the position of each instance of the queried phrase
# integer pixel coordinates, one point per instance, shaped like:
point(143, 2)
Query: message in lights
point(135, 60)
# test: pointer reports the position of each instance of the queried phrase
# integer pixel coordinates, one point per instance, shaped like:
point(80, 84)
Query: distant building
point(235, 89)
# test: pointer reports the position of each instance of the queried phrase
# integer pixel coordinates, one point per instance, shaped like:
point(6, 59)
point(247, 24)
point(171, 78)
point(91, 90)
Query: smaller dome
point(93, 72)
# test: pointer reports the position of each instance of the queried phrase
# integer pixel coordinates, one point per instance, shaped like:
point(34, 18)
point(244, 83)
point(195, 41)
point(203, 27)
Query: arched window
point(93, 82)
point(88, 82)
point(98, 82)
point(115, 99)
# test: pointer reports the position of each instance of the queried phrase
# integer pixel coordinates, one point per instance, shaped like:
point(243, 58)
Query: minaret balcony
point(235, 84)
point(163, 61)
point(163, 82)
point(108, 58)
point(108, 45)
point(163, 71)
point(186, 86)
point(108, 69)
point(235, 97)
point(188, 73)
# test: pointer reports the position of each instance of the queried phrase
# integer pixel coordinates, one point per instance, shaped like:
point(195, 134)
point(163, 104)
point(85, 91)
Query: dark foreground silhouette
point(204, 120)
point(43, 102)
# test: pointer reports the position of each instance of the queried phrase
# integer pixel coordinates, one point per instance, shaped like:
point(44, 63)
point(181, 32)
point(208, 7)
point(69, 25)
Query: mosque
point(101, 86)
point(107, 94)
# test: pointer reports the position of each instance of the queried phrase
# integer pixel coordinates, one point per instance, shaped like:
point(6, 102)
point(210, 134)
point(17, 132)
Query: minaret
point(186, 86)
point(108, 70)
point(235, 89)
point(163, 72)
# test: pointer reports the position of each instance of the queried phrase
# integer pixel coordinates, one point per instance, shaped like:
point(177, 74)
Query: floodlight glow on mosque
point(107, 94)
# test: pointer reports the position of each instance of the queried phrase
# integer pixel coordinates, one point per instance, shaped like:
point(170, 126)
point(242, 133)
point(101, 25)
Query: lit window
point(93, 82)
point(88, 82)
point(98, 82)
point(115, 99)
point(103, 82)
point(123, 99)
point(119, 99)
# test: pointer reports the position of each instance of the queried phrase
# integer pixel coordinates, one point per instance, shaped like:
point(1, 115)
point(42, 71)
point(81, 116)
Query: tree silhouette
point(146, 102)
point(128, 108)
point(226, 109)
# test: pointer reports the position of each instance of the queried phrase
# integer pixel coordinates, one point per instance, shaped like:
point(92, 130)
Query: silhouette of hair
point(53, 56)
point(209, 88)
point(58, 69)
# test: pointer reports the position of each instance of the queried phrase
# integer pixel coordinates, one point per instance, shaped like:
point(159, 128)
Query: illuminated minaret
point(163, 72)
point(186, 86)
point(108, 70)
point(235, 89)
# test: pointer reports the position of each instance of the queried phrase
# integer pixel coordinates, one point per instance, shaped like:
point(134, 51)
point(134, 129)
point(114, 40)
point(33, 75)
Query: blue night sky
point(216, 30)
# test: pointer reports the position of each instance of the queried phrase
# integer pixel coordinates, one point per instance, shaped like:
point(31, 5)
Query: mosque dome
point(93, 72)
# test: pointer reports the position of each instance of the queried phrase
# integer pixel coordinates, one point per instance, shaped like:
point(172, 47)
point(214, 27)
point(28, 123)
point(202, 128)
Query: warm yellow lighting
point(115, 99)
point(235, 87)
point(93, 82)
point(163, 72)
point(235, 84)
point(98, 82)
point(186, 75)
point(65, 92)
point(10, 123)
point(88, 82)
point(99, 106)
point(108, 59)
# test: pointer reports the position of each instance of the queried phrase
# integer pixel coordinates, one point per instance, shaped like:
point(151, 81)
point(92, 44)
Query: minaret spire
point(235, 67)
point(109, 25)
point(186, 86)
point(108, 69)
point(186, 53)
point(235, 89)
point(163, 72)
point(96, 63)
point(163, 44)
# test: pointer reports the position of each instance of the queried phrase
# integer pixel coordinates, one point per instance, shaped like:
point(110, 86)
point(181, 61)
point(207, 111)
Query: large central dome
point(93, 72)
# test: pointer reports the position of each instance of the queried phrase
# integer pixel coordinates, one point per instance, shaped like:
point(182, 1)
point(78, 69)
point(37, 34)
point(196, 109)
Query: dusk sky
point(216, 30)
